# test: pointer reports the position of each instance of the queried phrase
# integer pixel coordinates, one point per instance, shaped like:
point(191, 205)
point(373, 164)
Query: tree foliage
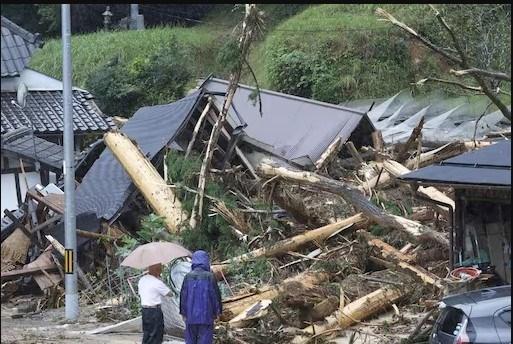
point(121, 87)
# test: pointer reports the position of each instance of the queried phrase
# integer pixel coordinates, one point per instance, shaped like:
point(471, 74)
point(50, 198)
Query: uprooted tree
point(488, 81)
point(251, 28)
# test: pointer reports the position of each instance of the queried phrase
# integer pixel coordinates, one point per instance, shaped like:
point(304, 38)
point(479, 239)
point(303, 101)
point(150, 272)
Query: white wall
point(9, 200)
point(35, 81)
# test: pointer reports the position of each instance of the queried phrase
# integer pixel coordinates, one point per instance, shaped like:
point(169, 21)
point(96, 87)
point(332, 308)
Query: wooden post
point(197, 127)
point(146, 178)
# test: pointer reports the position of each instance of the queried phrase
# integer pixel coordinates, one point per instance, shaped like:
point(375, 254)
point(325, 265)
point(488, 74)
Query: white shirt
point(151, 290)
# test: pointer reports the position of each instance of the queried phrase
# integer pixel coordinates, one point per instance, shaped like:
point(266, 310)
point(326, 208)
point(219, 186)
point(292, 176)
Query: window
point(453, 321)
point(506, 317)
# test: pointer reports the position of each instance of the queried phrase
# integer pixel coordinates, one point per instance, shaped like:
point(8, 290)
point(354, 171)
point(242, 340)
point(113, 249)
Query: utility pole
point(136, 20)
point(70, 233)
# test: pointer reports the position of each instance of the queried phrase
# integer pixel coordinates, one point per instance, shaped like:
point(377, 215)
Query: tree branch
point(450, 82)
point(388, 17)
point(462, 60)
point(464, 63)
point(482, 72)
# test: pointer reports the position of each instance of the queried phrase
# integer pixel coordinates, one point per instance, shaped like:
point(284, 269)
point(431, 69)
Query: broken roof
point(294, 128)
point(486, 167)
point(44, 111)
point(17, 47)
point(27, 146)
point(106, 186)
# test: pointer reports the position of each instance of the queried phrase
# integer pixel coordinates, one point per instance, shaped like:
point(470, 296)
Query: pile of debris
point(328, 238)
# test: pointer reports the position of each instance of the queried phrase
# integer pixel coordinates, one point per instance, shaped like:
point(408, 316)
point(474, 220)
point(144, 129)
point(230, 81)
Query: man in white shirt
point(151, 289)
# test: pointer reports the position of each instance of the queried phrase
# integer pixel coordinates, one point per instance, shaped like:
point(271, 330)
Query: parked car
point(477, 317)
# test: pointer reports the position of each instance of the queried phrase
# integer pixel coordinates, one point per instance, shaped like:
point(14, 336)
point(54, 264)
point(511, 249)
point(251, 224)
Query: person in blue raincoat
point(200, 301)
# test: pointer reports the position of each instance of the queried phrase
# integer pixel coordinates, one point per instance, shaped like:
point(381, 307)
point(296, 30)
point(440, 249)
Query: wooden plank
point(27, 272)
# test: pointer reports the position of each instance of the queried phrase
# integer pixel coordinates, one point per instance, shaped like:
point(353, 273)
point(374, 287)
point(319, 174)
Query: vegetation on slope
point(333, 53)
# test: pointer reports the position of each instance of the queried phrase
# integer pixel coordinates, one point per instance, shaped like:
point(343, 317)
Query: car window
point(452, 321)
point(506, 317)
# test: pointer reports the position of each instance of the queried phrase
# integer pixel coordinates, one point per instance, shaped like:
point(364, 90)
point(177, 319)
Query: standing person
point(200, 301)
point(151, 289)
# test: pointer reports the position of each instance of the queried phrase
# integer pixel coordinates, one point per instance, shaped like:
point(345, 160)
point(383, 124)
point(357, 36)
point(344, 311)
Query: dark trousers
point(199, 334)
point(153, 326)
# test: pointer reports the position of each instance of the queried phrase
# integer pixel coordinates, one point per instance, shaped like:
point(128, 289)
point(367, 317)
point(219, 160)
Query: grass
point(354, 54)
point(92, 50)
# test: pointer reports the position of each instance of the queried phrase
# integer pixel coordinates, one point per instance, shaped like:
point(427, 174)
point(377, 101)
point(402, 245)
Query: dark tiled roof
point(23, 144)
point(17, 47)
point(106, 186)
point(489, 166)
point(44, 109)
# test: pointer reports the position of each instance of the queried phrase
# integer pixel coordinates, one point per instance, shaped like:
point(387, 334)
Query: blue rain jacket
point(200, 298)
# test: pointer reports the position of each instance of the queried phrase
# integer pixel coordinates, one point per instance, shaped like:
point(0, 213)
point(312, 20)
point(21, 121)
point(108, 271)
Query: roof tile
point(44, 110)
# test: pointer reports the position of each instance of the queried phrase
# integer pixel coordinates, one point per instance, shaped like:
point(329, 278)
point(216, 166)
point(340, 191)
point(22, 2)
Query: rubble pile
point(313, 241)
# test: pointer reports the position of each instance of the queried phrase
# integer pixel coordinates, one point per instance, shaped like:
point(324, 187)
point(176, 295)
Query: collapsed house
point(286, 140)
point(481, 235)
point(32, 121)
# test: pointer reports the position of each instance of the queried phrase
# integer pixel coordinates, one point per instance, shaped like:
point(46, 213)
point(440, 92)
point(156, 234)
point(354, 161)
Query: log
point(302, 282)
point(378, 143)
point(197, 127)
point(146, 178)
point(396, 170)
point(402, 153)
point(386, 250)
point(359, 309)
point(436, 155)
point(329, 154)
point(401, 260)
point(416, 230)
point(291, 244)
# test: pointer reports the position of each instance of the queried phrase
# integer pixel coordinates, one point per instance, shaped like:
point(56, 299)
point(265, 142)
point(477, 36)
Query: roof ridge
point(23, 33)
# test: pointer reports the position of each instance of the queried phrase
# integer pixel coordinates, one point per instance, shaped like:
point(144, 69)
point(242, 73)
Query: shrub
point(121, 87)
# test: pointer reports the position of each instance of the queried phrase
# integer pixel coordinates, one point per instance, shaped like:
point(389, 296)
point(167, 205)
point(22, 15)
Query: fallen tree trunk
point(302, 282)
point(358, 310)
point(445, 151)
point(291, 244)
point(361, 204)
point(146, 178)
point(391, 254)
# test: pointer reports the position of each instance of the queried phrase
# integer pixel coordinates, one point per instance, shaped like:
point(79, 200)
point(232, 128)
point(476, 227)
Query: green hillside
point(333, 53)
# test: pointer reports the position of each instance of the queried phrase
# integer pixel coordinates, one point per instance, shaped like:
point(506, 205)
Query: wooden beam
point(13, 274)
